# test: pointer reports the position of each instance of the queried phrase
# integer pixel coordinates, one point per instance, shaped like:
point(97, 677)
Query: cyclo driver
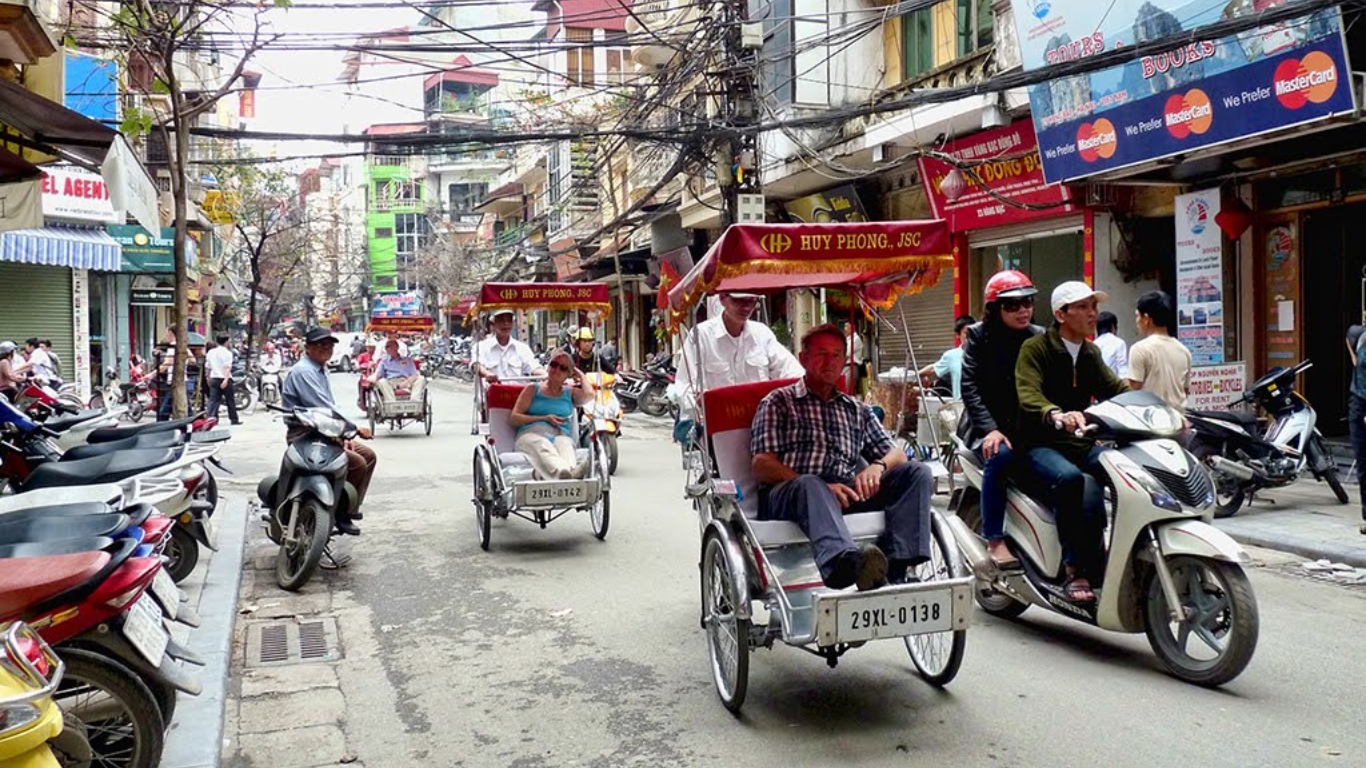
point(503, 357)
point(307, 387)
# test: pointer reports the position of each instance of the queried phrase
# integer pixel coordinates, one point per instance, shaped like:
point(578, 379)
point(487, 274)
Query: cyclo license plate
point(896, 615)
point(166, 593)
point(143, 627)
point(556, 493)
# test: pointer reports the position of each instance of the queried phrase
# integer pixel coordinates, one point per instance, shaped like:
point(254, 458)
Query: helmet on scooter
point(1008, 284)
point(7, 347)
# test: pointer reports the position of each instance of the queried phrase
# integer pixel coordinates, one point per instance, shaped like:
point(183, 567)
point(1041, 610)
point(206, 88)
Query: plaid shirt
point(818, 437)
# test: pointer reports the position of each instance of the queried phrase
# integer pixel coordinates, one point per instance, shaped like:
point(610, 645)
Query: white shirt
point(754, 355)
point(219, 363)
point(515, 359)
point(42, 364)
point(382, 353)
point(1115, 353)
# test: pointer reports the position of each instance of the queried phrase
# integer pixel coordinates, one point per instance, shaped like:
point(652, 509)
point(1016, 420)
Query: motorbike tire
point(313, 529)
point(1326, 468)
point(995, 603)
point(135, 735)
point(1225, 505)
point(1238, 620)
point(609, 443)
point(653, 402)
point(241, 397)
point(135, 411)
point(96, 401)
point(182, 554)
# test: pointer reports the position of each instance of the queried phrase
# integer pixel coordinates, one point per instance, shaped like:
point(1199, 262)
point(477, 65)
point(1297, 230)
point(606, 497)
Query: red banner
point(589, 297)
point(1004, 161)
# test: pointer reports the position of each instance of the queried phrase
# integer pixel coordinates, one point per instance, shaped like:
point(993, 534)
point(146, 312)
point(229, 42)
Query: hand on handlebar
point(1072, 421)
point(364, 433)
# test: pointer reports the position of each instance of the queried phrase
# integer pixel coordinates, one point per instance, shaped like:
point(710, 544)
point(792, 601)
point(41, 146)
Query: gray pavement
point(1305, 519)
point(555, 649)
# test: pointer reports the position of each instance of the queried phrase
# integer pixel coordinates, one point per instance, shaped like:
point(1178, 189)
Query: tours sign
point(1199, 94)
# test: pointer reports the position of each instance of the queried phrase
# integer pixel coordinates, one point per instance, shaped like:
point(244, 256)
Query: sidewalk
point(1304, 519)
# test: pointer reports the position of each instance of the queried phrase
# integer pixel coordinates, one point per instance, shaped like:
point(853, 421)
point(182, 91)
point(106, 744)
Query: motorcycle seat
point(26, 581)
point(63, 423)
point(74, 509)
point(149, 440)
point(53, 547)
point(110, 434)
point(41, 529)
point(109, 468)
point(125, 386)
point(212, 436)
point(1233, 417)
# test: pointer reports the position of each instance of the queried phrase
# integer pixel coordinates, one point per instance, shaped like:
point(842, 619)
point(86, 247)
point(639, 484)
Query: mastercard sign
point(1097, 141)
point(1310, 80)
point(1188, 113)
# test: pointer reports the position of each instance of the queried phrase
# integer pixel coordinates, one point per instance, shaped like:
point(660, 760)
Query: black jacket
point(990, 401)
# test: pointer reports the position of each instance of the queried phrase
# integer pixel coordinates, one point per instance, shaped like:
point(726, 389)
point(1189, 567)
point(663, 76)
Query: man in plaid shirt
point(808, 441)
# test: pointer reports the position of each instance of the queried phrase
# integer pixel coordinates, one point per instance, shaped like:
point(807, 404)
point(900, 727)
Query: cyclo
point(504, 484)
point(745, 560)
point(402, 408)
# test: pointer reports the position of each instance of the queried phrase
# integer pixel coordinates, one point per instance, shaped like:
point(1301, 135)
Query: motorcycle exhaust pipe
point(974, 551)
point(1232, 469)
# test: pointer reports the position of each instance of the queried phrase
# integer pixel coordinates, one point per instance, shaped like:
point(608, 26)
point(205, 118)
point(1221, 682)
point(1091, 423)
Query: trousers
point(217, 393)
point(386, 389)
point(1356, 423)
point(1080, 516)
point(995, 475)
point(904, 496)
point(551, 458)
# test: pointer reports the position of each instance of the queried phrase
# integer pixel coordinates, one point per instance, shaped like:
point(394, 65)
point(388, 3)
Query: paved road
point(555, 649)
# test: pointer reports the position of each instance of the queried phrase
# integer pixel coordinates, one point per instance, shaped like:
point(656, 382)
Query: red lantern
point(1234, 218)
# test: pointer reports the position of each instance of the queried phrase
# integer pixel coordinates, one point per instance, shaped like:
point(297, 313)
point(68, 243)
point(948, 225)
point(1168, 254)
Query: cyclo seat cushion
point(503, 436)
point(109, 468)
point(148, 440)
point(25, 581)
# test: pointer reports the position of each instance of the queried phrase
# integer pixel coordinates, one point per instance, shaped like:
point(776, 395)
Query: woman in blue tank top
point(543, 417)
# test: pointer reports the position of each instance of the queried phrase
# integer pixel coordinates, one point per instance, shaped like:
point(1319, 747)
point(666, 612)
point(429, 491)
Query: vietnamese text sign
point(1213, 387)
point(70, 192)
point(1005, 160)
point(1200, 94)
point(1200, 277)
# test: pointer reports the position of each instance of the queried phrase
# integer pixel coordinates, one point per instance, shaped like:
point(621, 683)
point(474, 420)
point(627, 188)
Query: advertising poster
point(841, 204)
point(1213, 387)
point(1281, 295)
point(1005, 163)
point(1203, 93)
point(1200, 277)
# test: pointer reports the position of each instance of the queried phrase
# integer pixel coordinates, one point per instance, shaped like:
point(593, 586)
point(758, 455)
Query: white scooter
point(1168, 572)
point(270, 384)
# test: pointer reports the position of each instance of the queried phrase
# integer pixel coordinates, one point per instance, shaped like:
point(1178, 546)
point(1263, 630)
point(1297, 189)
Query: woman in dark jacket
point(991, 407)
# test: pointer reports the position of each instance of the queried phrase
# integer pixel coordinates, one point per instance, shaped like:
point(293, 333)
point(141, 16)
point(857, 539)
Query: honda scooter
point(603, 416)
point(31, 724)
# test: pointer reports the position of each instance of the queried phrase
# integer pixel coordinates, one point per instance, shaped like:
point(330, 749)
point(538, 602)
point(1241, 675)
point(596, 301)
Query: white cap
point(742, 295)
point(498, 312)
point(1074, 291)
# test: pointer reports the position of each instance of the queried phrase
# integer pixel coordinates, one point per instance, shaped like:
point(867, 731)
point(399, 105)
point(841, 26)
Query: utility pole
point(738, 160)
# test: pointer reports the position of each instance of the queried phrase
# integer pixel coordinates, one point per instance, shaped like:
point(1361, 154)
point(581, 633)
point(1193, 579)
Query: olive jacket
point(1049, 381)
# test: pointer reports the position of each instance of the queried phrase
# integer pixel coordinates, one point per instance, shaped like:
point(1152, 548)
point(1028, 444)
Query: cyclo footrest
point(893, 611)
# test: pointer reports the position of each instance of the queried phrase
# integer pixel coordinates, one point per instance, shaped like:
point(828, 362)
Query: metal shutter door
point(35, 301)
point(929, 317)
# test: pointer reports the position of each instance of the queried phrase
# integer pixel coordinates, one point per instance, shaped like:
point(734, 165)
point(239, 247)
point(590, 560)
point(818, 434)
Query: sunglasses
point(561, 367)
point(1017, 304)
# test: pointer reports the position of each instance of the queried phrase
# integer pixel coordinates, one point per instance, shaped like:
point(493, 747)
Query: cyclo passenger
point(1058, 375)
point(990, 403)
point(307, 387)
point(502, 357)
point(397, 371)
point(544, 416)
point(807, 441)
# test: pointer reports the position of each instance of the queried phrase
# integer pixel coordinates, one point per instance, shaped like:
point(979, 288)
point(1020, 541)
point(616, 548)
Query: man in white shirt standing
point(219, 364)
point(1113, 350)
point(502, 357)
point(40, 363)
point(733, 350)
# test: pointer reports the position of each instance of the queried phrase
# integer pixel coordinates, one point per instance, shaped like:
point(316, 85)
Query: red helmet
point(1009, 284)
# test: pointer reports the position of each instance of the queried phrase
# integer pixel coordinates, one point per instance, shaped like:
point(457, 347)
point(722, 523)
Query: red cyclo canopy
point(588, 297)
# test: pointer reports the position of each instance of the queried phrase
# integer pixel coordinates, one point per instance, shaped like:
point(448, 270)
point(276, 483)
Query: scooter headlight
point(1141, 478)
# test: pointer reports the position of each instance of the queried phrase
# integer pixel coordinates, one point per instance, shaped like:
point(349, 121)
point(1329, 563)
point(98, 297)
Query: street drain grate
point(292, 641)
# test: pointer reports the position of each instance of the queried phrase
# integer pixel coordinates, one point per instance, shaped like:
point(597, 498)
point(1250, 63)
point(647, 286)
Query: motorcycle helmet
point(585, 334)
point(7, 347)
point(1008, 284)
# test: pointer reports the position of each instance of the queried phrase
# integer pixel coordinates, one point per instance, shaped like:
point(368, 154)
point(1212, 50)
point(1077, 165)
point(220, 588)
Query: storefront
point(145, 288)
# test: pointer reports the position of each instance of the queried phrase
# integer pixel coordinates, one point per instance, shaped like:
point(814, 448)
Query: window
point(796, 66)
point(384, 233)
point(974, 25)
point(618, 58)
point(579, 70)
point(463, 197)
point(410, 234)
point(917, 37)
point(776, 69)
point(558, 180)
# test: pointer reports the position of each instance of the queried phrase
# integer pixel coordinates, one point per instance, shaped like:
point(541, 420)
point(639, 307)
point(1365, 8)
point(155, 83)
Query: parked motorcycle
point(244, 386)
point(1168, 572)
point(646, 389)
point(137, 396)
point(603, 415)
point(1243, 462)
point(309, 494)
point(31, 724)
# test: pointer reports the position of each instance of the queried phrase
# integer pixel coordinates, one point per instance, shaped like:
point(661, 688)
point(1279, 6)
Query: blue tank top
point(545, 405)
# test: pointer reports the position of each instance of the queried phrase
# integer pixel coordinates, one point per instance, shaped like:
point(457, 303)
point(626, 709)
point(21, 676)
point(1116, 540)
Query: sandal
point(1078, 593)
point(1009, 562)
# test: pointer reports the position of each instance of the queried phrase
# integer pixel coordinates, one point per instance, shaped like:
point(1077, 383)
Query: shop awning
point(50, 127)
point(61, 247)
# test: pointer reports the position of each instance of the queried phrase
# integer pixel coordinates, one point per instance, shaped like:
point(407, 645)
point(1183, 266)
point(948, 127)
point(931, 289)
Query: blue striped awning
point(62, 247)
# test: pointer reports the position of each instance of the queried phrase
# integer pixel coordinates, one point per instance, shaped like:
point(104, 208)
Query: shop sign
point(70, 192)
point(1214, 387)
point(146, 254)
point(841, 204)
point(1198, 94)
point(397, 304)
point(1001, 163)
point(1200, 277)
point(152, 297)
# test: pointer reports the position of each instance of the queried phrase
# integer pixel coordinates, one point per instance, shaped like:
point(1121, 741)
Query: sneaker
point(872, 569)
point(347, 527)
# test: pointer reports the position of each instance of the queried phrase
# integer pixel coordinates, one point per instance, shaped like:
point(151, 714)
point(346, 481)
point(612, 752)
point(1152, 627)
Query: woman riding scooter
point(991, 405)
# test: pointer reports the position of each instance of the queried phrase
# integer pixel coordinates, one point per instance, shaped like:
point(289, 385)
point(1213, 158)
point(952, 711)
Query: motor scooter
point(1244, 462)
point(602, 416)
point(1166, 571)
point(270, 384)
point(31, 723)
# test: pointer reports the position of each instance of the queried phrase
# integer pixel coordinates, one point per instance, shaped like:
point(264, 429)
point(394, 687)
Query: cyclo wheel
point(937, 656)
point(312, 529)
point(727, 634)
point(427, 412)
point(483, 498)
point(601, 514)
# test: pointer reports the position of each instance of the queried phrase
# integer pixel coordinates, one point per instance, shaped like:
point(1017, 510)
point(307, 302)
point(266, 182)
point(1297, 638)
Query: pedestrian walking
point(1356, 410)
point(219, 364)
point(1113, 350)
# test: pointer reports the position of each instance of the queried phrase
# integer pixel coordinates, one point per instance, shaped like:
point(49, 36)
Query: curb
point(1307, 548)
point(195, 739)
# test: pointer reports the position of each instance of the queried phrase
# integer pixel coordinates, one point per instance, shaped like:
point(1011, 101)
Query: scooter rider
point(585, 357)
point(307, 387)
point(1058, 375)
point(990, 403)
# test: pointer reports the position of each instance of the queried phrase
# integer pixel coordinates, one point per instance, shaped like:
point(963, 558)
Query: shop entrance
point(1048, 261)
point(1335, 286)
